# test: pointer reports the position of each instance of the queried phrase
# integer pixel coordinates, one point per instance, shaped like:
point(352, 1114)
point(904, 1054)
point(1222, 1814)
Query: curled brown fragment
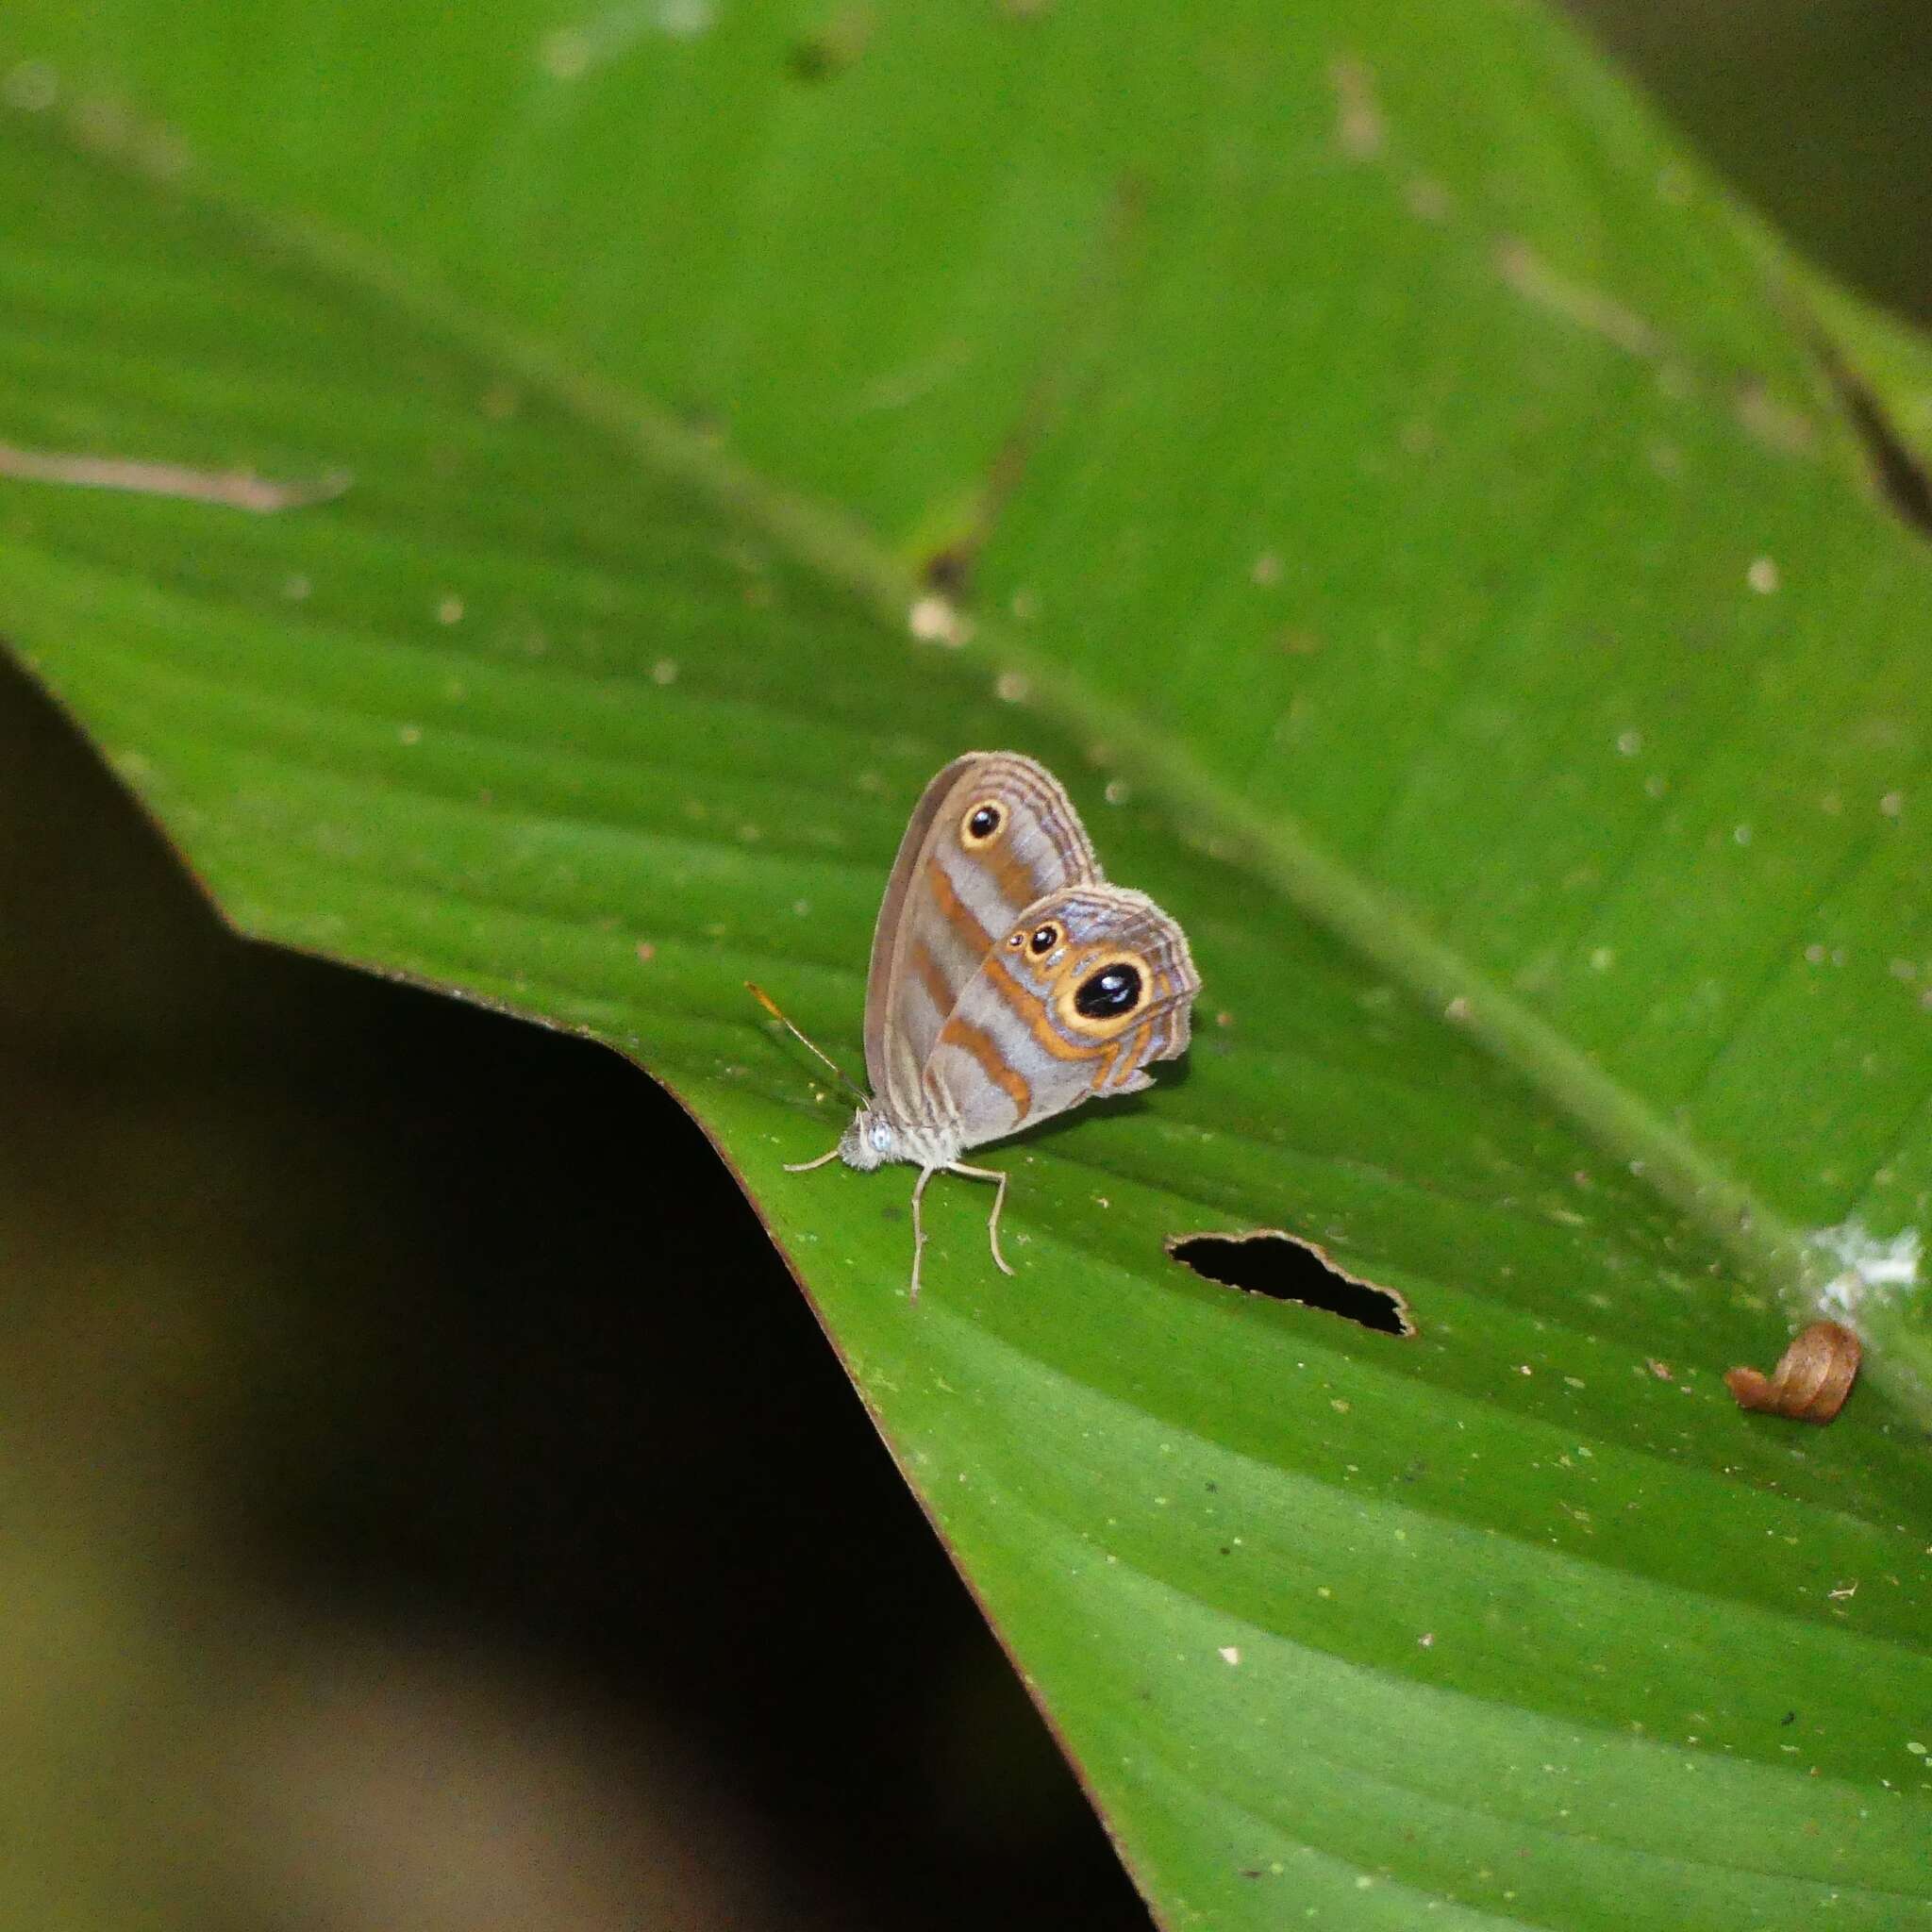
point(1811, 1380)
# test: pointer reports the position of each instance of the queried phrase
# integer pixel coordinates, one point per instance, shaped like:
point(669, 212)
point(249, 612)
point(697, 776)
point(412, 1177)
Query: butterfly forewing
point(993, 834)
point(1071, 1002)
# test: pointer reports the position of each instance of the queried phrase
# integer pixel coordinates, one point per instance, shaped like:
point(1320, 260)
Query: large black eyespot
point(1114, 990)
point(1045, 937)
point(982, 823)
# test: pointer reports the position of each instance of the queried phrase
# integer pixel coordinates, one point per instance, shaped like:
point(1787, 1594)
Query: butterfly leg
point(806, 1166)
point(999, 1201)
point(925, 1173)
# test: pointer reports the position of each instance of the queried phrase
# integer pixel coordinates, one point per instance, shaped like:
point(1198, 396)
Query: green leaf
point(1404, 501)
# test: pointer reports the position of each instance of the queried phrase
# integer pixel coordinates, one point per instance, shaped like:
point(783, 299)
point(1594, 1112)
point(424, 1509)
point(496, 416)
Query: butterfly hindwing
point(991, 835)
point(1071, 1001)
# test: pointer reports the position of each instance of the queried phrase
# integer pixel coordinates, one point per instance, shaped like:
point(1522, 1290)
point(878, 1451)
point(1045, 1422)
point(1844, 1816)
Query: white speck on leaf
point(1427, 200)
point(934, 621)
point(1361, 132)
point(32, 86)
point(571, 52)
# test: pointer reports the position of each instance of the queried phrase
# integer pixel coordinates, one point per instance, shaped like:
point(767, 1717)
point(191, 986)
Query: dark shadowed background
point(414, 1395)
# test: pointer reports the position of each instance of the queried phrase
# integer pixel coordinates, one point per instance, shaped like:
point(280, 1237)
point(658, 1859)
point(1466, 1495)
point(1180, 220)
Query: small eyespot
point(1016, 939)
point(1045, 937)
point(982, 823)
point(1108, 993)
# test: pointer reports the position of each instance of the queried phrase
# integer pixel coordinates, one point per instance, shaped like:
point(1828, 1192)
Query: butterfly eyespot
point(981, 824)
point(1106, 994)
point(1045, 937)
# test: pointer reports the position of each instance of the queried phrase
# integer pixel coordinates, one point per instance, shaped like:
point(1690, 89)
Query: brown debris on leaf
point(1811, 1380)
point(232, 488)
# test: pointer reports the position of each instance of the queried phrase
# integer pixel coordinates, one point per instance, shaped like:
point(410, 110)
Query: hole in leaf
point(1285, 1269)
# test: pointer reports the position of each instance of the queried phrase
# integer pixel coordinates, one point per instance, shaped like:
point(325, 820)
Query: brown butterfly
point(1009, 981)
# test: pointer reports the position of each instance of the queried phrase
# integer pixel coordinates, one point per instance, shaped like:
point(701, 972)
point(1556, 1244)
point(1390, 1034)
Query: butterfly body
point(1009, 981)
point(874, 1138)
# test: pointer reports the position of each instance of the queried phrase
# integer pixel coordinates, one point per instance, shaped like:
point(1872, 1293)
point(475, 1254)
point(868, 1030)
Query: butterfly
point(1008, 980)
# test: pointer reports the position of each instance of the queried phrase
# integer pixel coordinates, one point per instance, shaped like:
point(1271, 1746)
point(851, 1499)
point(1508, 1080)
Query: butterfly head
point(870, 1141)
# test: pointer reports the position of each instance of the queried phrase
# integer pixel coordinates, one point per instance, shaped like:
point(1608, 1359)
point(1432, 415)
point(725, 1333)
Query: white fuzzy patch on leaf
point(1868, 1268)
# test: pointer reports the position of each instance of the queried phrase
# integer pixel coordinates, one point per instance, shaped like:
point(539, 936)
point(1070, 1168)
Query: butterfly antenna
point(838, 1073)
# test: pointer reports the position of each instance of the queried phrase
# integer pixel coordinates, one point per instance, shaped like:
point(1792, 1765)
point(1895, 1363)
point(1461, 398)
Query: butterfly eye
point(1045, 937)
point(1108, 993)
point(982, 823)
